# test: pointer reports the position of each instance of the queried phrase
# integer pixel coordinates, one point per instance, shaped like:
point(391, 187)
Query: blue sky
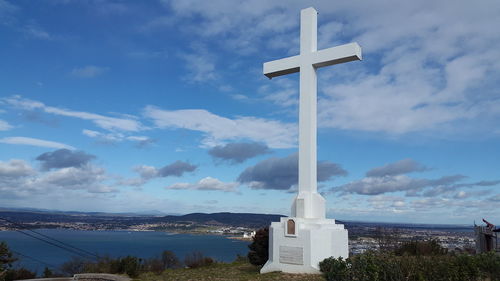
point(133, 106)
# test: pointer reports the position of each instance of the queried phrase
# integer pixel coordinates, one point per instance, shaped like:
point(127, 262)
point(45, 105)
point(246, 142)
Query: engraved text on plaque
point(291, 255)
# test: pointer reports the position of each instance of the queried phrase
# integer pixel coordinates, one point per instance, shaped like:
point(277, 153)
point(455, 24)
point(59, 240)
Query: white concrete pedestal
point(314, 240)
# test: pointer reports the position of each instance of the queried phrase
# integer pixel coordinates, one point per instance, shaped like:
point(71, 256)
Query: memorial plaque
point(291, 255)
point(290, 227)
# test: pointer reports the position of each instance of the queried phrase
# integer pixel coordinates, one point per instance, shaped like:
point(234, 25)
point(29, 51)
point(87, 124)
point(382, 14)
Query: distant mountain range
point(126, 219)
point(48, 211)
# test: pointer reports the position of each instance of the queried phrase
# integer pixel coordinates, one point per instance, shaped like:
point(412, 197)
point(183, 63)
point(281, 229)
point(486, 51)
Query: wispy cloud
point(404, 166)
point(147, 173)
point(393, 177)
point(4, 126)
point(200, 65)
point(218, 129)
point(105, 122)
point(37, 32)
point(420, 75)
point(10, 17)
point(114, 137)
point(35, 142)
point(207, 183)
point(6, 7)
point(88, 71)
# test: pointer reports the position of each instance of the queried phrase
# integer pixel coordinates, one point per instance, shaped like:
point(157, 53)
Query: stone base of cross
point(298, 243)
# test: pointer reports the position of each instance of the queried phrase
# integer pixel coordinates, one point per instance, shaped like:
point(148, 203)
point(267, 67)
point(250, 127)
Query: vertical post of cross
point(307, 103)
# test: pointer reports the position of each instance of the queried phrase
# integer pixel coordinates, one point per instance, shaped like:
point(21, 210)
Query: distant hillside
point(122, 221)
point(234, 219)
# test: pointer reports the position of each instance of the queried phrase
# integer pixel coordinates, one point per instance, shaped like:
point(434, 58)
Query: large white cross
point(307, 62)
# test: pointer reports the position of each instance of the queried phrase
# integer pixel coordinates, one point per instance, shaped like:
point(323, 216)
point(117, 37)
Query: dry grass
point(237, 271)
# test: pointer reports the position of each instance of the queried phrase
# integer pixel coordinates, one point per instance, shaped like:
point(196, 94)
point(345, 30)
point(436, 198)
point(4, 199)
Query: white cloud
point(207, 183)
point(429, 75)
point(114, 137)
point(88, 71)
point(15, 168)
point(6, 7)
point(146, 172)
point(240, 24)
point(282, 92)
point(4, 126)
point(19, 180)
point(218, 129)
point(89, 178)
point(428, 67)
point(200, 65)
point(37, 32)
point(34, 142)
point(385, 184)
point(393, 177)
point(105, 122)
point(404, 166)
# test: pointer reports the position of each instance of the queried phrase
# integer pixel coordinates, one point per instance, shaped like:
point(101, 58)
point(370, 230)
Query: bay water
point(142, 244)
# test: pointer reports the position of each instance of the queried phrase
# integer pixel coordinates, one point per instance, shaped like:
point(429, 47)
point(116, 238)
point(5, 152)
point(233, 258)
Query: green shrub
point(170, 260)
point(130, 265)
point(259, 249)
point(6, 260)
point(154, 265)
point(74, 266)
point(47, 273)
point(421, 248)
point(241, 259)
point(335, 269)
point(372, 266)
point(19, 274)
point(489, 265)
point(196, 259)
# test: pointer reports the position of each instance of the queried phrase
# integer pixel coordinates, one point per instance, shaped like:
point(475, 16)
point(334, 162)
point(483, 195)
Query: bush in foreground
point(19, 274)
point(196, 259)
point(389, 267)
point(421, 248)
point(130, 265)
point(259, 249)
point(6, 259)
point(170, 260)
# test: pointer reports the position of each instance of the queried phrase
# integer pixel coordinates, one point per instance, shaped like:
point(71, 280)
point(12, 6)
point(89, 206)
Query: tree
point(131, 266)
point(259, 249)
point(47, 273)
point(19, 274)
point(196, 259)
point(170, 260)
point(388, 239)
point(6, 259)
point(153, 265)
point(74, 266)
point(421, 248)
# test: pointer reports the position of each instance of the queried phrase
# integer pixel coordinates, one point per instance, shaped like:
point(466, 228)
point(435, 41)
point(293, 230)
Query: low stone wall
point(50, 279)
point(99, 277)
point(86, 277)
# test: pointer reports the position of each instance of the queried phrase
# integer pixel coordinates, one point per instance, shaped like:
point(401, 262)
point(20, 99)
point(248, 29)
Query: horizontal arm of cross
point(282, 67)
point(335, 55)
point(326, 57)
